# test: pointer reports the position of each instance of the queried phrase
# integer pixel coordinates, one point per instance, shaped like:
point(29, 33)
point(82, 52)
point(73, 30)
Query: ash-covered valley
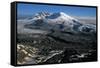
point(49, 38)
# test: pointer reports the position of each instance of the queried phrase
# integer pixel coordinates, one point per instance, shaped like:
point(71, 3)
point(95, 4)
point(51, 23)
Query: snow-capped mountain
point(62, 21)
point(40, 15)
point(58, 22)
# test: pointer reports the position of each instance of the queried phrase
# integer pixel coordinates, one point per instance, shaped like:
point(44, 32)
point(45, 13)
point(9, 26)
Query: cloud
point(90, 18)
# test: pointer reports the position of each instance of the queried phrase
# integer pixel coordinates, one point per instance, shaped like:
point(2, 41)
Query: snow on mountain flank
point(58, 21)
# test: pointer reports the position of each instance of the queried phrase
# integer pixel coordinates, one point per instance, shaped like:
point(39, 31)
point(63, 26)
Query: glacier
point(58, 22)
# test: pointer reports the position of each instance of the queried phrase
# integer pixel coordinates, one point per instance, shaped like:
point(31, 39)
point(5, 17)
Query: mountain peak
point(58, 21)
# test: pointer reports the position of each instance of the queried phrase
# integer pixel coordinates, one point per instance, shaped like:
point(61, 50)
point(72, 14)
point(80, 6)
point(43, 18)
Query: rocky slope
point(55, 38)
